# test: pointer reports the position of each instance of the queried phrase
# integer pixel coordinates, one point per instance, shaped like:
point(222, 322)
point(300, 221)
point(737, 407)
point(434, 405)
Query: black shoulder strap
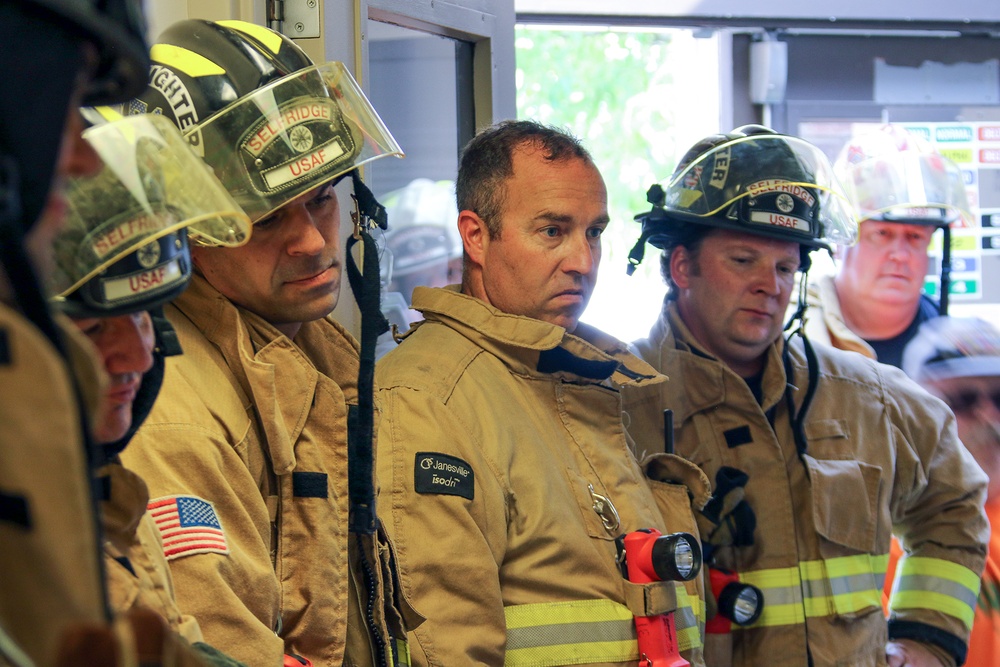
point(366, 288)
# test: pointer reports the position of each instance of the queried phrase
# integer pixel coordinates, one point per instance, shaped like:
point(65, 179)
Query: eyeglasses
point(965, 401)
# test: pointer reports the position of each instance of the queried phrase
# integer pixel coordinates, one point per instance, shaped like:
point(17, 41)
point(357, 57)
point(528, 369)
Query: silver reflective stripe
point(934, 583)
point(568, 633)
point(586, 631)
point(819, 588)
point(573, 633)
point(690, 627)
point(924, 584)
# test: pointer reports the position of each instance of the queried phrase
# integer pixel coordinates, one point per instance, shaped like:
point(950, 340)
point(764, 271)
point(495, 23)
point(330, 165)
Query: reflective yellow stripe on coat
point(932, 583)
point(586, 631)
point(819, 588)
point(402, 653)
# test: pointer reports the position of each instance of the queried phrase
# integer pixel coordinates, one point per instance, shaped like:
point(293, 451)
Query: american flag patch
point(188, 525)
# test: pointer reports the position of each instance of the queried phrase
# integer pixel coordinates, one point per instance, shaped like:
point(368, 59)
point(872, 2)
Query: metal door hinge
point(294, 18)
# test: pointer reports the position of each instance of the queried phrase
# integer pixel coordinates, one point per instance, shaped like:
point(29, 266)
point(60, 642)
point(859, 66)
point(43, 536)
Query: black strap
point(366, 288)
point(945, 285)
point(797, 419)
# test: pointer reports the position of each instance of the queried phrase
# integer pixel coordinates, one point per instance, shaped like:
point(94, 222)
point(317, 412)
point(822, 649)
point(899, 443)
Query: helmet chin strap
point(796, 419)
point(800, 305)
point(945, 288)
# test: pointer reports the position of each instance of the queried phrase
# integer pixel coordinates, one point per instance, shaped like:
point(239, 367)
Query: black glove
point(727, 519)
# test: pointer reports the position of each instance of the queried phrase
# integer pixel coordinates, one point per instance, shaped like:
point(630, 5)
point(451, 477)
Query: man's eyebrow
point(564, 218)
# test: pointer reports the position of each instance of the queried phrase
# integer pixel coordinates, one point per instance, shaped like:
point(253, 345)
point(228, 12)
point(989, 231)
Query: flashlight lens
point(684, 559)
point(741, 603)
point(676, 557)
point(746, 606)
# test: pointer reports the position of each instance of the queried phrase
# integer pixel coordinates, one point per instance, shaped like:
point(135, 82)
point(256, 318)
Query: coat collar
point(534, 347)
point(277, 375)
point(707, 381)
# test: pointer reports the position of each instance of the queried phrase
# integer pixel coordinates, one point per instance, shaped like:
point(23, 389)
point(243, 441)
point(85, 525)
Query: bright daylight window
point(638, 98)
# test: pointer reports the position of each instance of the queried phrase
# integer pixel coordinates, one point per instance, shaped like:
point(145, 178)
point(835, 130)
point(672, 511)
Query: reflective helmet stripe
point(923, 583)
point(268, 38)
point(190, 63)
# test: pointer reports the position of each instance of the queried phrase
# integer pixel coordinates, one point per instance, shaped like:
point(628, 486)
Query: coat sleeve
point(450, 541)
point(937, 507)
point(231, 590)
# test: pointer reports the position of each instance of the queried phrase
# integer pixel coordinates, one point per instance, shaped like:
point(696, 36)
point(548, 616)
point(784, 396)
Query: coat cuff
point(955, 648)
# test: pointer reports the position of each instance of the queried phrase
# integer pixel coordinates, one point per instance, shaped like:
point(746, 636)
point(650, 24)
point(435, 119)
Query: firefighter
point(251, 430)
point(502, 452)
point(62, 53)
point(423, 239)
point(958, 360)
point(422, 247)
point(123, 253)
point(833, 451)
point(903, 191)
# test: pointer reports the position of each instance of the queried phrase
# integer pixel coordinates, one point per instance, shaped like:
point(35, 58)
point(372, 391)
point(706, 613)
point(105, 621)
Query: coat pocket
point(845, 504)
point(596, 506)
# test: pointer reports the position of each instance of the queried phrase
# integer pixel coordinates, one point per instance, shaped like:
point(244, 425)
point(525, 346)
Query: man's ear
point(680, 267)
point(475, 236)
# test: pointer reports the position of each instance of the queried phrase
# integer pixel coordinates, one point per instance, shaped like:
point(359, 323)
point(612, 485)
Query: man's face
point(544, 262)
point(976, 404)
point(733, 294)
point(125, 344)
point(289, 272)
point(888, 264)
point(76, 159)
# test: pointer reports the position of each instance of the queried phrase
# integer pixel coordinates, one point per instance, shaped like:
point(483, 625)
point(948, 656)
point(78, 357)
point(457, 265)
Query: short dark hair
point(488, 161)
point(690, 237)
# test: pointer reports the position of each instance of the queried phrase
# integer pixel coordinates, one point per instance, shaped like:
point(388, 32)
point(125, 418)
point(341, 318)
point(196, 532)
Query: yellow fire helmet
point(269, 122)
point(124, 245)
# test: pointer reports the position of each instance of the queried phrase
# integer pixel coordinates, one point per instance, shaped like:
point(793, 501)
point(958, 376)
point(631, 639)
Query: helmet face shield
point(150, 189)
point(772, 185)
point(291, 136)
point(908, 186)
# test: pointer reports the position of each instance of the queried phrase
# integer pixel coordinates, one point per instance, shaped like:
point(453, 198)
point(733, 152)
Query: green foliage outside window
point(619, 91)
